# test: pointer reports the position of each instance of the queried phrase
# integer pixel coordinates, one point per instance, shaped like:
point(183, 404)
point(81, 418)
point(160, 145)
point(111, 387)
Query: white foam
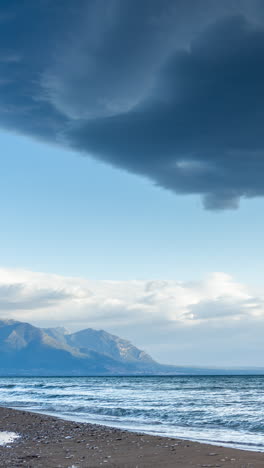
point(7, 437)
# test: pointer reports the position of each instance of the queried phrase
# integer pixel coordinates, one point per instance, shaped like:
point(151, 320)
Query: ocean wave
point(211, 409)
point(3, 386)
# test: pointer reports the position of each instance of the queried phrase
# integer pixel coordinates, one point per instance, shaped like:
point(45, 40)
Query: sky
point(131, 172)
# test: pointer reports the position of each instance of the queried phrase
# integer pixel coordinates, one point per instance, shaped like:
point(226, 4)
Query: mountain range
point(29, 350)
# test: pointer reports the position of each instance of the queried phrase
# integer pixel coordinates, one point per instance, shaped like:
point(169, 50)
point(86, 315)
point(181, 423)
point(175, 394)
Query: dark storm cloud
point(170, 90)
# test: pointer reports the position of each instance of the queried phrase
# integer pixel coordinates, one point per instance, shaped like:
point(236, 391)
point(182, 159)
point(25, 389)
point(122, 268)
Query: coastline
point(51, 442)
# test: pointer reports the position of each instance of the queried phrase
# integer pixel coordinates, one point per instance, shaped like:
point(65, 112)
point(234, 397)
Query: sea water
point(224, 410)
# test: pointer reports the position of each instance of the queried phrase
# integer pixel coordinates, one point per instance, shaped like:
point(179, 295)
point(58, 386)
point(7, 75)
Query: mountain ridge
point(27, 350)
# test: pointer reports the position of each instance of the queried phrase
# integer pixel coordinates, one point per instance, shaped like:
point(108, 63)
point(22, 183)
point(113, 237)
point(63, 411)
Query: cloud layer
point(169, 90)
point(210, 322)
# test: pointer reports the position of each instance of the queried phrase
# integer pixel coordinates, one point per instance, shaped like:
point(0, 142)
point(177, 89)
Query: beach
point(49, 442)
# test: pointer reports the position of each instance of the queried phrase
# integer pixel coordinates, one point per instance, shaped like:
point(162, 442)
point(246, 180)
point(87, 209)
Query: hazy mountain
point(29, 350)
point(25, 349)
point(104, 343)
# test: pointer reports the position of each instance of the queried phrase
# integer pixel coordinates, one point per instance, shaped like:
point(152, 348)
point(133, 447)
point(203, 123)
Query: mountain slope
point(29, 350)
point(25, 349)
point(110, 345)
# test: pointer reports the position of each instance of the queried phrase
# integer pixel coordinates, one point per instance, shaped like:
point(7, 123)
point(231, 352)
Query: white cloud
point(173, 320)
point(78, 299)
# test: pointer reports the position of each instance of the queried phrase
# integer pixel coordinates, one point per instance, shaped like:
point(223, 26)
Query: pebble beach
point(49, 442)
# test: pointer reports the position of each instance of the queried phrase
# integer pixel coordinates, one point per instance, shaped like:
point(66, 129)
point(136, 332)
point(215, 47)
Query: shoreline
point(214, 443)
point(51, 442)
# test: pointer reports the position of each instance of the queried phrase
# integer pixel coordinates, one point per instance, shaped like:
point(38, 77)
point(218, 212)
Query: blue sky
point(76, 216)
point(132, 172)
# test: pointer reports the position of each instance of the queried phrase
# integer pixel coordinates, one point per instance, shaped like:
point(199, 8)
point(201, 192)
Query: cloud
point(18, 297)
point(200, 131)
point(179, 322)
point(169, 90)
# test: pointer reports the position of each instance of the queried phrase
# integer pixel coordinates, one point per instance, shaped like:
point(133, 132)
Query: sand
point(50, 442)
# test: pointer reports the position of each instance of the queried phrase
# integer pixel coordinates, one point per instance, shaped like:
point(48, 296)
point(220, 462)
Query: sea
point(223, 410)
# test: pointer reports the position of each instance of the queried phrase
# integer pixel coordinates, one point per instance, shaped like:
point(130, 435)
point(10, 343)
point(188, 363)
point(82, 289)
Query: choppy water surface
point(223, 410)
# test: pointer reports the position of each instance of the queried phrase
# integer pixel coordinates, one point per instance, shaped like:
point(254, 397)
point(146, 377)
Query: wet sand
point(50, 442)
